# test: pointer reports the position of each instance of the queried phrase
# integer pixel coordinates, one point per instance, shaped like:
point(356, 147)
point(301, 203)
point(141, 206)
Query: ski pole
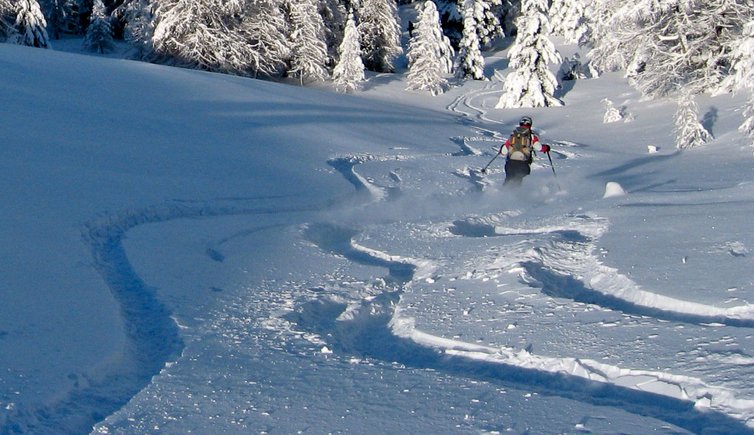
point(484, 169)
point(551, 165)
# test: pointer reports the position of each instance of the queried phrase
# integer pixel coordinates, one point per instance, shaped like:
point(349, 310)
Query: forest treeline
point(676, 48)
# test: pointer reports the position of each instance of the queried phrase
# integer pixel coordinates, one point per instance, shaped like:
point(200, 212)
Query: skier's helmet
point(526, 120)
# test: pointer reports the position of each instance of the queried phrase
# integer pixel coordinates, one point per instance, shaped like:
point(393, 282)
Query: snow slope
point(196, 252)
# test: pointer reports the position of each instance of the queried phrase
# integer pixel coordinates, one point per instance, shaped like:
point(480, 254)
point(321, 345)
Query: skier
point(519, 152)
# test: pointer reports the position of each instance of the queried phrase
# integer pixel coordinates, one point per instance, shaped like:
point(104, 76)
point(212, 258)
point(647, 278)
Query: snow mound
point(613, 189)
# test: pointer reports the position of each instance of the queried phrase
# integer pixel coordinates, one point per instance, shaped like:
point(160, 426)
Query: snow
point(194, 252)
point(613, 189)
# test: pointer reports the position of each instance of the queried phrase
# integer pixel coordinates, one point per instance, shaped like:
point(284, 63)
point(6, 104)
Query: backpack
point(520, 145)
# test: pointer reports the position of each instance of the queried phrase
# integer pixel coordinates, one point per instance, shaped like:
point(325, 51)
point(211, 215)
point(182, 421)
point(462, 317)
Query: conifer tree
point(747, 127)
point(30, 25)
point(667, 45)
point(742, 77)
point(72, 17)
point(530, 83)
point(429, 53)
point(451, 19)
point(308, 47)
point(568, 19)
point(690, 132)
point(488, 24)
point(7, 17)
point(470, 62)
point(199, 34)
point(508, 12)
point(333, 14)
point(612, 113)
point(263, 29)
point(379, 32)
point(6, 8)
point(99, 34)
point(230, 36)
point(55, 18)
point(604, 54)
point(349, 71)
point(138, 29)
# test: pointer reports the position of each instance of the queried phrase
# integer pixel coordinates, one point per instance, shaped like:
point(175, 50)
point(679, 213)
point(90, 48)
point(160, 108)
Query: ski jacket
point(534, 141)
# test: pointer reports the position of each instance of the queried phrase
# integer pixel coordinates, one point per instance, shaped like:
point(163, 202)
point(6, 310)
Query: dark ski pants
point(515, 171)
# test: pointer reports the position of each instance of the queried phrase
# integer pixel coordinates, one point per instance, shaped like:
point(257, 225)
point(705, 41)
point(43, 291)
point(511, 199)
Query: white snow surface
point(194, 252)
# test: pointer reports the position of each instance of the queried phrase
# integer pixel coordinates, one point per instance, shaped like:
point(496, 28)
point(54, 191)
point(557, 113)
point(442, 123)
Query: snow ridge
point(377, 328)
point(152, 335)
point(564, 268)
point(345, 166)
point(568, 268)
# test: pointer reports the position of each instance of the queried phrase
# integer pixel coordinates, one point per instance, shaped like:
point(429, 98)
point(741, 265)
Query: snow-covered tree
point(333, 14)
point(72, 17)
point(747, 127)
point(690, 132)
point(379, 32)
point(230, 36)
point(55, 17)
point(349, 71)
point(6, 8)
point(30, 25)
point(66, 16)
point(488, 24)
point(429, 53)
point(530, 82)
point(612, 113)
point(742, 77)
point(138, 19)
point(99, 34)
point(7, 17)
point(742, 55)
point(572, 69)
point(200, 34)
point(308, 47)
point(568, 19)
point(603, 55)
point(263, 28)
point(450, 19)
point(507, 13)
point(470, 62)
point(666, 45)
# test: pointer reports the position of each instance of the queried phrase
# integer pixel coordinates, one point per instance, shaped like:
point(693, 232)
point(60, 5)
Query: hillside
point(189, 251)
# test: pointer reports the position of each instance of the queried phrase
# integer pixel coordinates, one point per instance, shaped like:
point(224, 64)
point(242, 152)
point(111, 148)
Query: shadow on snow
point(367, 333)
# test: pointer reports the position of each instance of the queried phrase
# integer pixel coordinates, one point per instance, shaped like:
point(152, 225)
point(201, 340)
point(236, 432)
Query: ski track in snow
point(153, 338)
point(376, 326)
point(566, 268)
point(468, 107)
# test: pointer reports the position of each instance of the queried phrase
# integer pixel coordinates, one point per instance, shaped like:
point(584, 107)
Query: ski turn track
point(379, 326)
point(566, 267)
point(153, 339)
point(469, 106)
point(681, 400)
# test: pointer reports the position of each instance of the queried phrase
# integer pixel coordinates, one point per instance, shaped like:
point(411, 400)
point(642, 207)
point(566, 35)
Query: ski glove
point(545, 148)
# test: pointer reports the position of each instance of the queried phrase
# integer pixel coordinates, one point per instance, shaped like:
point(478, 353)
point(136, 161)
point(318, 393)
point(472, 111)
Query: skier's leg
point(515, 171)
